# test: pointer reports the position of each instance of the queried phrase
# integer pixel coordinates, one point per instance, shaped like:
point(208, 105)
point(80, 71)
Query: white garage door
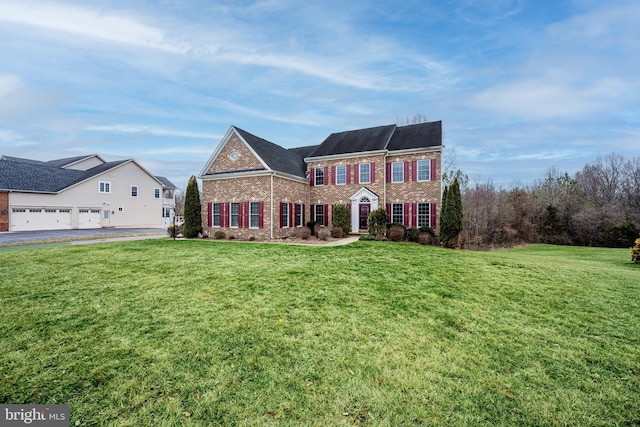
point(25, 219)
point(89, 218)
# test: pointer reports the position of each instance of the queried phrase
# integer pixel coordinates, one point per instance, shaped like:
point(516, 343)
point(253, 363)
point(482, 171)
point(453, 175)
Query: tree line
point(598, 206)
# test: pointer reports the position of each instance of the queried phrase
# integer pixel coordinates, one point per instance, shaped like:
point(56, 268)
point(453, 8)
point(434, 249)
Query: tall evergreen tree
point(192, 210)
point(451, 215)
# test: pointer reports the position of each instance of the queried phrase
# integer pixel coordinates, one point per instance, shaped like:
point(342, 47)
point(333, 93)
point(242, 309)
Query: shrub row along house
point(81, 192)
point(253, 188)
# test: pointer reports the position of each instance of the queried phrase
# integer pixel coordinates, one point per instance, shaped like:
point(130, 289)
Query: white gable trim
point(232, 130)
point(364, 192)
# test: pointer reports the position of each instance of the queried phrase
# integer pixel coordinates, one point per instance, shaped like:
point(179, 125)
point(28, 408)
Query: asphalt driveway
point(32, 237)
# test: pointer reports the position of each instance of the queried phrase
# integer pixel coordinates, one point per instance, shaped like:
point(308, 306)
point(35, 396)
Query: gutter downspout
point(271, 206)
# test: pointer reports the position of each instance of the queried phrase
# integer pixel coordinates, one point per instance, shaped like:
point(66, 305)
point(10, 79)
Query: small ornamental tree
point(378, 223)
point(342, 218)
point(192, 210)
point(451, 215)
point(635, 252)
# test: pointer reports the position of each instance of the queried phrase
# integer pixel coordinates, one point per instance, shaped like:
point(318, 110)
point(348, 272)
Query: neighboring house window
point(233, 213)
point(254, 211)
point(299, 215)
point(424, 170)
point(424, 215)
point(166, 212)
point(397, 212)
point(105, 187)
point(365, 173)
point(397, 172)
point(120, 208)
point(134, 191)
point(156, 193)
point(215, 214)
point(319, 176)
point(285, 214)
point(341, 174)
point(319, 214)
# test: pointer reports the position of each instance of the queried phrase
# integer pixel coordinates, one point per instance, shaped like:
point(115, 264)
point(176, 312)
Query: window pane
point(423, 215)
point(423, 170)
point(320, 214)
point(397, 174)
point(233, 208)
point(285, 214)
point(365, 173)
point(397, 210)
point(215, 215)
point(341, 174)
point(319, 176)
point(255, 215)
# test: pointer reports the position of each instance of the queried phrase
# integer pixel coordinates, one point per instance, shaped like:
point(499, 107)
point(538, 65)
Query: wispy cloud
point(152, 130)
point(82, 21)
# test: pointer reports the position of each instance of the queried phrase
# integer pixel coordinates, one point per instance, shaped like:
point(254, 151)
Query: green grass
point(217, 333)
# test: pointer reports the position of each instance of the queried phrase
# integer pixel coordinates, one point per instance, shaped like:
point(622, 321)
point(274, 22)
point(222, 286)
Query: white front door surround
point(364, 196)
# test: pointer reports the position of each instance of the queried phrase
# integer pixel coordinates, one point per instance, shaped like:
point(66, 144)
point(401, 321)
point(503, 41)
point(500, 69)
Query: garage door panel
point(89, 218)
point(30, 219)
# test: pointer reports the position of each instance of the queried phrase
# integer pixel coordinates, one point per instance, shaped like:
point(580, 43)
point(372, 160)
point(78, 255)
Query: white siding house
point(83, 192)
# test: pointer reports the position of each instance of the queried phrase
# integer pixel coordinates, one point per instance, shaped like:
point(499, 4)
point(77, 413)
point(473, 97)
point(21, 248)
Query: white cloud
point(152, 130)
point(80, 21)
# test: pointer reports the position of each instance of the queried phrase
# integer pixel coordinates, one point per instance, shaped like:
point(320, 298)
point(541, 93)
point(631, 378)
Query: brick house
point(254, 188)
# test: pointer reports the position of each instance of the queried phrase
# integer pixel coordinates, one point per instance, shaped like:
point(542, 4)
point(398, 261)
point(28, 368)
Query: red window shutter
point(406, 171)
point(245, 214)
point(312, 213)
point(209, 211)
point(333, 175)
point(325, 220)
point(388, 167)
point(303, 216)
point(292, 215)
point(432, 215)
point(326, 175)
point(414, 214)
point(332, 209)
point(405, 215)
point(432, 169)
point(260, 214)
point(414, 171)
point(281, 216)
point(312, 177)
point(389, 216)
point(373, 172)
point(348, 174)
point(356, 174)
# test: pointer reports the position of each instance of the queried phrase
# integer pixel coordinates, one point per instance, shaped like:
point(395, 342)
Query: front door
point(106, 220)
point(365, 208)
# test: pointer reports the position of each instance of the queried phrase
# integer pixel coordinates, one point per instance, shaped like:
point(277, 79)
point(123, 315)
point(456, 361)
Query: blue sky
point(520, 86)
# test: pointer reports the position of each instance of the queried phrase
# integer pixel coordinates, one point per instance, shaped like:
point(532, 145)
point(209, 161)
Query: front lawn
point(199, 332)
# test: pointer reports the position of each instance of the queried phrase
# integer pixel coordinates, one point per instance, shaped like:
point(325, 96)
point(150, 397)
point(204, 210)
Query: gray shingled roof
point(165, 182)
point(41, 177)
point(275, 156)
point(355, 141)
point(416, 136)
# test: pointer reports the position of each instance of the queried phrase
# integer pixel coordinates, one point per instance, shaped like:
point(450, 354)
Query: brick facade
point(4, 211)
point(243, 178)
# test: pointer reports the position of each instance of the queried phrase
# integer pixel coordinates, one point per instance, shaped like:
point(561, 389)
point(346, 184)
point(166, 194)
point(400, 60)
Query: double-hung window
point(156, 193)
point(134, 191)
point(299, 213)
point(397, 212)
point(285, 215)
point(397, 172)
point(423, 215)
point(424, 170)
point(365, 173)
point(254, 214)
point(215, 214)
point(319, 214)
point(234, 210)
point(341, 174)
point(319, 176)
